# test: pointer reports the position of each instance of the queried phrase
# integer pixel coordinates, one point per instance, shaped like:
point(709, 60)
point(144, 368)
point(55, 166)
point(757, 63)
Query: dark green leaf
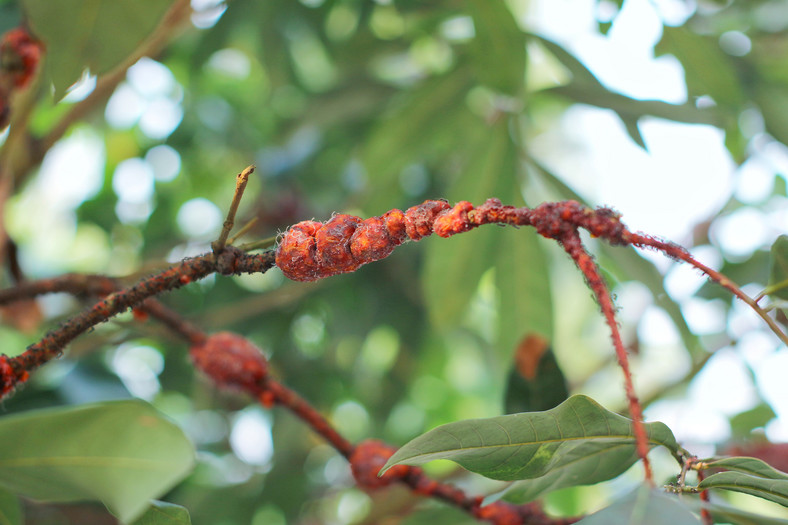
point(120, 453)
point(645, 506)
point(707, 69)
point(577, 443)
point(453, 267)
point(535, 381)
point(498, 49)
point(778, 264)
point(750, 476)
point(744, 423)
point(10, 509)
point(90, 34)
point(163, 513)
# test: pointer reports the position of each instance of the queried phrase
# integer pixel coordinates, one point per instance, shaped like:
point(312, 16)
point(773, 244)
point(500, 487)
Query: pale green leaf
point(90, 34)
point(644, 506)
point(577, 443)
point(122, 453)
point(163, 513)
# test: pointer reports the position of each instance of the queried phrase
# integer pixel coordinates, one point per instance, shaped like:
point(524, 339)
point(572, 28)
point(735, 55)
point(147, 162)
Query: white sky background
point(683, 179)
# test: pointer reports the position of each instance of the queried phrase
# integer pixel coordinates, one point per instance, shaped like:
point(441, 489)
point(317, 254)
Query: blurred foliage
point(353, 106)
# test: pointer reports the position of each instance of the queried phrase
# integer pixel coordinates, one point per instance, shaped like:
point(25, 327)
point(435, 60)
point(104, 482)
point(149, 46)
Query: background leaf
point(163, 513)
point(10, 509)
point(576, 443)
point(498, 49)
point(90, 34)
point(75, 454)
point(644, 507)
point(778, 264)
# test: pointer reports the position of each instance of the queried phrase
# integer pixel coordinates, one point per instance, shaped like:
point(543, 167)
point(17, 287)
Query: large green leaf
point(498, 48)
point(453, 267)
point(778, 273)
point(773, 102)
point(121, 453)
point(577, 443)
point(163, 513)
point(644, 506)
point(10, 509)
point(90, 34)
point(750, 476)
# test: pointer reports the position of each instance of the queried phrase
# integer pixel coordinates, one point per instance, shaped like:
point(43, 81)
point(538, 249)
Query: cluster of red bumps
point(20, 54)
point(312, 250)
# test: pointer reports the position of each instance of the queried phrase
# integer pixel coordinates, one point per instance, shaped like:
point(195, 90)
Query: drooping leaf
point(498, 47)
point(90, 34)
point(644, 506)
point(10, 509)
point(163, 513)
point(577, 443)
point(453, 267)
point(778, 264)
point(121, 453)
point(750, 476)
point(535, 381)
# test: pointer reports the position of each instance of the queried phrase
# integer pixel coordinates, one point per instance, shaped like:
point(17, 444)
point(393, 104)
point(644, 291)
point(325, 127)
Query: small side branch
point(240, 185)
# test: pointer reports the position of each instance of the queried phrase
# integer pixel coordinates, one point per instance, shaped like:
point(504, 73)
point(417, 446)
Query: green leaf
point(163, 513)
point(121, 453)
point(535, 382)
point(498, 49)
point(577, 443)
point(10, 509)
point(743, 423)
point(644, 506)
point(707, 69)
point(453, 267)
point(90, 34)
point(778, 264)
point(750, 476)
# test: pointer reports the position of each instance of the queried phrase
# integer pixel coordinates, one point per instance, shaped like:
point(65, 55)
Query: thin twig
point(240, 185)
